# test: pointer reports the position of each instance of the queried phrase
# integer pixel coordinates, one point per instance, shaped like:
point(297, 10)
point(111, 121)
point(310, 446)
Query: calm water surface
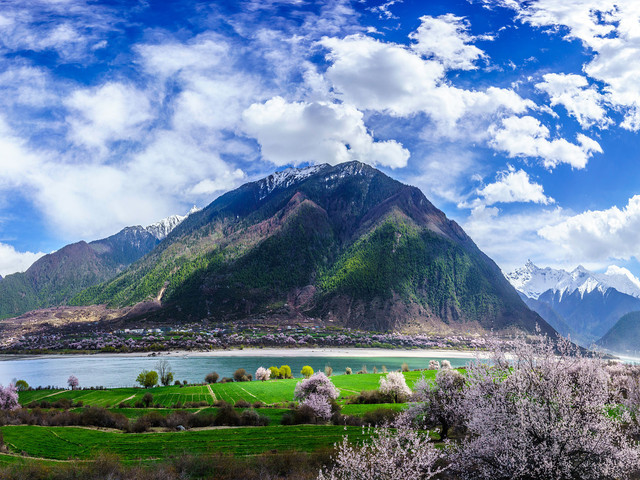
point(121, 371)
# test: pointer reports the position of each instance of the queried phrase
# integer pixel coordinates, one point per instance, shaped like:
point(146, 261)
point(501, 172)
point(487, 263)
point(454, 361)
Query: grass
point(63, 443)
point(269, 392)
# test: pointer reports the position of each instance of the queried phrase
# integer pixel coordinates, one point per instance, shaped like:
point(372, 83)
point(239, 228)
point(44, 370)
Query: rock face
point(580, 303)
point(55, 278)
point(343, 244)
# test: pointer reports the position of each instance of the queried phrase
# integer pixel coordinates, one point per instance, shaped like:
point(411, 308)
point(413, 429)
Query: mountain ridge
point(341, 243)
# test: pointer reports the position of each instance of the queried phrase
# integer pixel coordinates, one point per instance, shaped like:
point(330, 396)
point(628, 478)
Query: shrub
point(263, 374)
point(394, 384)
point(306, 371)
point(227, 415)
point(375, 370)
point(379, 417)
point(240, 375)
point(275, 372)
point(348, 371)
point(445, 365)
point(147, 399)
point(434, 365)
point(147, 379)
point(363, 369)
point(404, 367)
point(211, 377)
point(371, 397)
point(251, 418)
point(285, 371)
point(242, 403)
point(384, 369)
point(328, 371)
point(22, 386)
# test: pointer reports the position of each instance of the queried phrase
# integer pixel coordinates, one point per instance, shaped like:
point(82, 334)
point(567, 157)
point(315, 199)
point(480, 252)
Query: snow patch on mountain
point(165, 226)
point(533, 281)
point(286, 178)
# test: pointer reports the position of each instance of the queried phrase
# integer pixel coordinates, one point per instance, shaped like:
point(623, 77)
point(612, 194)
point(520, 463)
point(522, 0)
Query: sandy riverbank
point(280, 352)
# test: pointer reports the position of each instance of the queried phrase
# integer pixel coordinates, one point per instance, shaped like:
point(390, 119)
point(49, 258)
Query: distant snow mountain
point(579, 303)
point(286, 178)
point(164, 227)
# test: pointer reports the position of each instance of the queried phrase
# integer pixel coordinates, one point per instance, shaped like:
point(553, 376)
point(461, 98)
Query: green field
point(269, 392)
point(64, 443)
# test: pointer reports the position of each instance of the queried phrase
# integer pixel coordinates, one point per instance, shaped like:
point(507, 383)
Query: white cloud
point(203, 52)
point(513, 186)
point(390, 78)
point(445, 39)
point(599, 235)
point(511, 239)
point(610, 29)
point(527, 137)
point(318, 132)
point(13, 261)
point(581, 101)
point(110, 112)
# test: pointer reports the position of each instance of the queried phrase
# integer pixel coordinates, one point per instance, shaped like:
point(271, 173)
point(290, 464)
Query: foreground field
point(65, 443)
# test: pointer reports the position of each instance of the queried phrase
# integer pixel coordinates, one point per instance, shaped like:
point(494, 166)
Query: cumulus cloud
point(511, 238)
point(393, 79)
point(13, 261)
point(110, 112)
point(446, 39)
point(318, 132)
point(598, 235)
point(573, 93)
point(513, 186)
point(527, 137)
point(609, 28)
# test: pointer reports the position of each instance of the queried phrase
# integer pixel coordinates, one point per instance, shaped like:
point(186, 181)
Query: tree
point(285, 371)
point(387, 455)
point(164, 372)
point(263, 374)
point(148, 379)
point(211, 377)
point(73, 382)
point(541, 413)
point(274, 372)
point(318, 384)
point(22, 385)
point(438, 403)
point(395, 385)
point(306, 371)
point(240, 375)
point(9, 397)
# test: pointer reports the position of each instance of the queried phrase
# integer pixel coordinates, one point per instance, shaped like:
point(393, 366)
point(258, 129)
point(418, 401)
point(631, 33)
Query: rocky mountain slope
point(624, 336)
point(343, 244)
point(55, 278)
point(581, 303)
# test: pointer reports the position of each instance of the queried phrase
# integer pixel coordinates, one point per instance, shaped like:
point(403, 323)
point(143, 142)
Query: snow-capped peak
point(286, 178)
point(164, 227)
point(534, 281)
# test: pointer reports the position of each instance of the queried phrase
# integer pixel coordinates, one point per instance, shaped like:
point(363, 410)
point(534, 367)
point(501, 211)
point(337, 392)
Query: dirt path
point(52, 394)
point(213, 395)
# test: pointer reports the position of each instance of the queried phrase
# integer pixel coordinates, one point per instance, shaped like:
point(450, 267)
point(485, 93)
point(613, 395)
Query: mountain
point(165, 226)
point(624, 336)
point(55, 278)
point(580, 303)
point(343, 244)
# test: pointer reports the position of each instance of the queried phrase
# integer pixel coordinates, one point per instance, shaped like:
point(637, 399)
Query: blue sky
point(519, 119)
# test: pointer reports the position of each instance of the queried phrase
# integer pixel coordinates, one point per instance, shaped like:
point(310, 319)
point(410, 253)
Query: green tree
point(285, 371)
point(275, 372)
point(306, 371)
point(22, 385)
point(148, 378)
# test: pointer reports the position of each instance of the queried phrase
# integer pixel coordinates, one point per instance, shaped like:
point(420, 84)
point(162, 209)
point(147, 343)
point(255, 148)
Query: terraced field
point(269, 393)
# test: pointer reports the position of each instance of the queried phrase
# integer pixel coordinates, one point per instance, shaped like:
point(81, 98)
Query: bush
point(285, 371)
point(211, 377)
point(328, 371)
point(22, 386)
point(147, 399)
point(251, 418)
point(240, 375)
point(370, 397)
point(404, 367)
point(348, 371)
point(227, 415)
point(434, 365)
point(395, 384)
point(147, 379)
point(306, 371)
point(242, 403)
point(379, 417)
point(274, 372)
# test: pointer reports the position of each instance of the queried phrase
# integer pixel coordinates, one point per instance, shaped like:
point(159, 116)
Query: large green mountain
point(344, 244)
point(55, 278)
